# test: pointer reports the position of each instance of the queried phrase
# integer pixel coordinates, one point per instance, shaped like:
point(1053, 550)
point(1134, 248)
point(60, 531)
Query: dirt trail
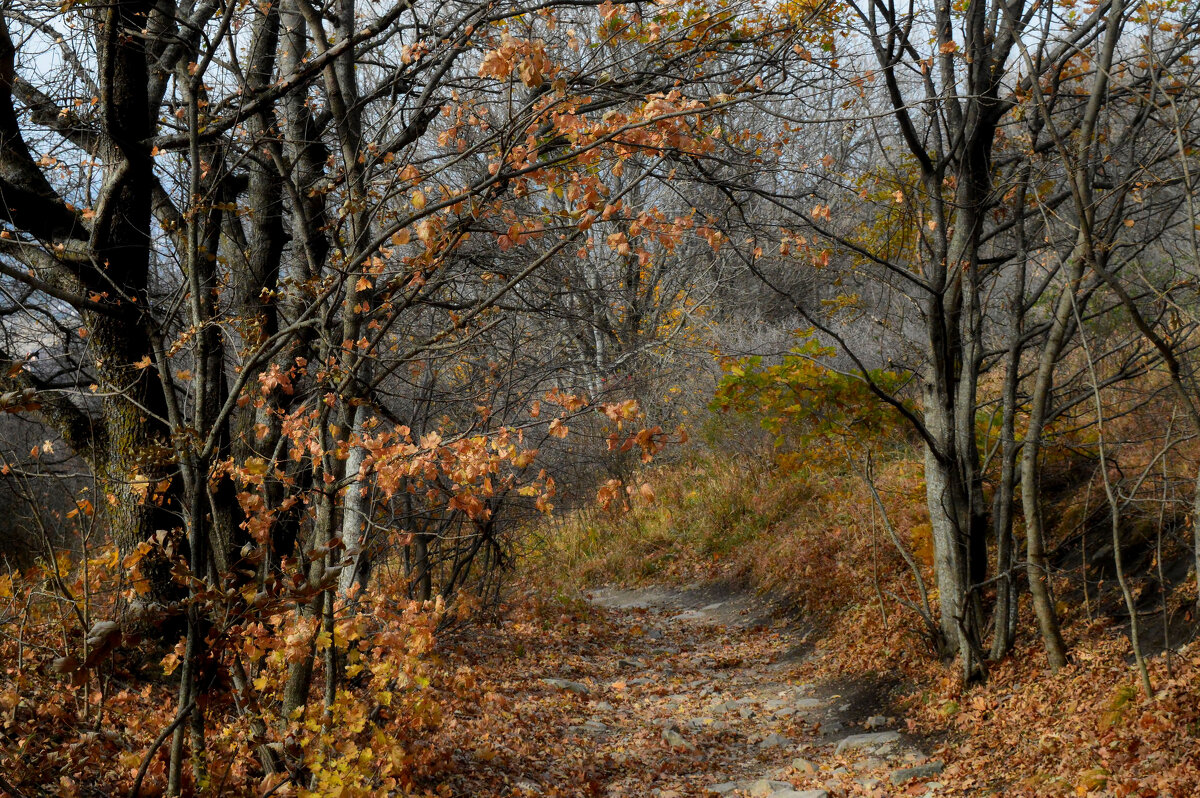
point(704, 603)
point(771, 735)
point(688, 692)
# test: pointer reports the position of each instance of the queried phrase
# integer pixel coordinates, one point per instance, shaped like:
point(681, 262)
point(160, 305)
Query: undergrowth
point(798, 534)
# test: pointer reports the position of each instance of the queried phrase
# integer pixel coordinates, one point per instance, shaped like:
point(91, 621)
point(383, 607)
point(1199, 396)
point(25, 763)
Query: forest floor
point(669, 692)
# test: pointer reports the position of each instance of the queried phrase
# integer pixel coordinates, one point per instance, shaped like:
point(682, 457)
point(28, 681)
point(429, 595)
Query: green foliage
point(803, 401)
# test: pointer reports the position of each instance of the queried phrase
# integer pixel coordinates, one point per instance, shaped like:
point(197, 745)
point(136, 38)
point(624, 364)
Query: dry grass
point(801, 534)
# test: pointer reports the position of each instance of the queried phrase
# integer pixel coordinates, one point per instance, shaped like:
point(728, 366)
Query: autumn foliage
point(312, 314)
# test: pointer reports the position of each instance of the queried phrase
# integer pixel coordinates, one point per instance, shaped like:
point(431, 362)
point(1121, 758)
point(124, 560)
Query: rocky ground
point(677, 692)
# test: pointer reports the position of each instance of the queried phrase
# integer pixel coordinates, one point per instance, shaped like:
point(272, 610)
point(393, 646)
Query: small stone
point(785, 712)
point(766, 788)
point(676, 740)
point(809, 703)
point(566, 684)
point(876, 722)
point(868, 782)
point(866, 740)
point(904, 775)
point(604, 706)
point(724, 788)
point(801, 794)
point(631, 662)
point(654, 634)
point(745, 712)
point(870, 763)
point(774, 740)
point(803, 765)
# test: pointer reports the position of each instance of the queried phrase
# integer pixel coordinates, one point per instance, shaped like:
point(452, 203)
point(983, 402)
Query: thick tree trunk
point(135, 463)
point(947, 512)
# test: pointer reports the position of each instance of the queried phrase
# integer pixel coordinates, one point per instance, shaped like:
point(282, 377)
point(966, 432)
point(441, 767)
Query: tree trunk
point(354, 511)
point(947, 510)
point(1035, 552)
point(1005, 614)
point(134, 415)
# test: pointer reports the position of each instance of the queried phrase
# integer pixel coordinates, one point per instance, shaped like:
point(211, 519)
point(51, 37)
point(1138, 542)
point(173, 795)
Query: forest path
point(668, 692)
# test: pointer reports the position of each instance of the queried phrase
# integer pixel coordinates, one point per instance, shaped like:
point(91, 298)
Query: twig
point(154, 746)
